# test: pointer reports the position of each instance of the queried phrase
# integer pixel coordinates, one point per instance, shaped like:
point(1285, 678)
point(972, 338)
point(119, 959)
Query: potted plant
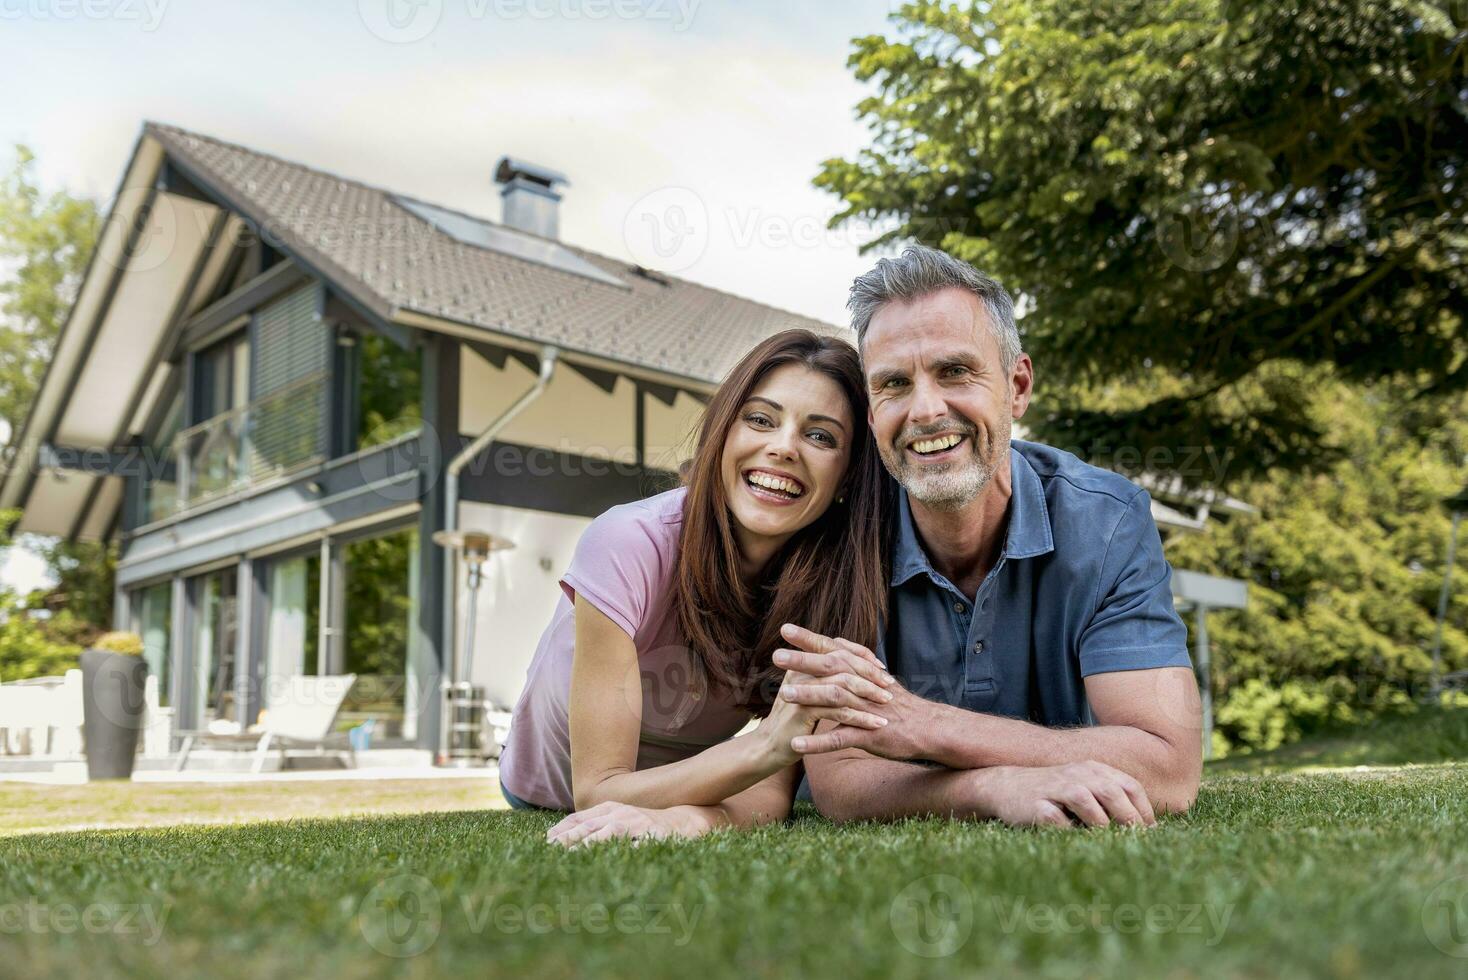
point(113, 675)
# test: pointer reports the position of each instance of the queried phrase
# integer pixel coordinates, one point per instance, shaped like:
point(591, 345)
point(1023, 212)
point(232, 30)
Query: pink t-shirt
point(624, 566)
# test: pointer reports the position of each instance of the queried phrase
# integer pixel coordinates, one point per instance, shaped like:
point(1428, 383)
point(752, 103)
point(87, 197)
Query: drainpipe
point(548, 356)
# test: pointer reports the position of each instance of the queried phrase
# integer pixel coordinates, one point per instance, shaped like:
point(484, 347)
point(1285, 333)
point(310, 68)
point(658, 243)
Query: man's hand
point(820, 661)
point(1092, 793)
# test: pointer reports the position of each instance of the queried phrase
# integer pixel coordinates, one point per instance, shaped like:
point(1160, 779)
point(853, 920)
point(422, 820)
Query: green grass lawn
point(1347, 873)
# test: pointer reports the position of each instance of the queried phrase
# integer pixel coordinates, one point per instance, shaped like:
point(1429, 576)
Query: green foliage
point(1185, 191)
point(1237, 229)
point(36, 643)
point(1426, 736)
point(379, 618)
point(1344, 572)
point(120, 642)
point(84, 573)
point(45, 242)
point(391, 391)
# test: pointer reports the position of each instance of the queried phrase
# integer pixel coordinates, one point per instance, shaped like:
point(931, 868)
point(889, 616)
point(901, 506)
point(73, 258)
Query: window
point(213, 599)
point(390, 391)
point(154, 619)
point(380, 588)
point(292, 623)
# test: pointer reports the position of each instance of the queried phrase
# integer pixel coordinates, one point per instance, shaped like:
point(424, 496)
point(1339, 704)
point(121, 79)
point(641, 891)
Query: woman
point(660, 649)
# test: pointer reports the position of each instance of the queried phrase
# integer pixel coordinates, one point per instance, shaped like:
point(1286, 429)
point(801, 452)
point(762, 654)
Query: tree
point(1344, 570)
point(1185, 192)
point(45, 243)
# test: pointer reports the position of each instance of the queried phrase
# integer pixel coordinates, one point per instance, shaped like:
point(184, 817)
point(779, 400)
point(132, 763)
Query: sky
point(690, 130)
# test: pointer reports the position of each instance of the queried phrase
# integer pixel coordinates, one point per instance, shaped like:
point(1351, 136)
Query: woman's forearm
point(764, 802)
point(708, 779)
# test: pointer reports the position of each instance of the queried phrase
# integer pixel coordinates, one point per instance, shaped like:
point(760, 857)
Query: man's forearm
point(853, 785)
point(962, 739)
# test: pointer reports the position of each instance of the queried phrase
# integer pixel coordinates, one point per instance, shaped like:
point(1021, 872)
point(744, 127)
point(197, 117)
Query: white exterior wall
point(518, 594)
point(573, 416)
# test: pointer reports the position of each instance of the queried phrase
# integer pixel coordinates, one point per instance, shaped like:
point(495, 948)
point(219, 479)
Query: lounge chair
point(302, 718)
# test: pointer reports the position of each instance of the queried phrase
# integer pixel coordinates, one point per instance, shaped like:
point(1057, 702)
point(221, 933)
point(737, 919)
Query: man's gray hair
point(922, 270)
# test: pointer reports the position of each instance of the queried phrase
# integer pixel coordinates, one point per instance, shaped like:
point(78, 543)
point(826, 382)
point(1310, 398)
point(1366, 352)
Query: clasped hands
point(831, 679)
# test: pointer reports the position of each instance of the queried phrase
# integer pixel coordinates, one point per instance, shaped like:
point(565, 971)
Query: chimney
point(532, 201)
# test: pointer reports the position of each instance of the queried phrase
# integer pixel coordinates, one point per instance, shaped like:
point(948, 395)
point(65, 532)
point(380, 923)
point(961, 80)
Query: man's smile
point(937, 448)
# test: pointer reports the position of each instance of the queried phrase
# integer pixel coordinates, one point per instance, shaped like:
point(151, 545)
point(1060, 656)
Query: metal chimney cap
point(510, 168)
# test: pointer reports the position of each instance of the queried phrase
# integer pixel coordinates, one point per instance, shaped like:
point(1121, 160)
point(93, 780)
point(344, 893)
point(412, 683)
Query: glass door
point(379, 597)
point(215, 606)
point(292, 624)
point(155, 625)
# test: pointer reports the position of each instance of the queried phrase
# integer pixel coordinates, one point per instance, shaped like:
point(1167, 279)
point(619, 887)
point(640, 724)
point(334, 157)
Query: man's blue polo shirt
point(1080, 588)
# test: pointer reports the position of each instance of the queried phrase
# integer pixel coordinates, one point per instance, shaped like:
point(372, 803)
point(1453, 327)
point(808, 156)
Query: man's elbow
point(832, 800)
point(1180, 792)
point(835, 807)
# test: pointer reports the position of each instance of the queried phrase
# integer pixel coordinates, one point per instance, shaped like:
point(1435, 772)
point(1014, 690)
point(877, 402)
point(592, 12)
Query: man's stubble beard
point(959, 483)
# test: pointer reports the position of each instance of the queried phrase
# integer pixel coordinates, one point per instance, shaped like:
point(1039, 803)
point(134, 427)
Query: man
point(1043, 674)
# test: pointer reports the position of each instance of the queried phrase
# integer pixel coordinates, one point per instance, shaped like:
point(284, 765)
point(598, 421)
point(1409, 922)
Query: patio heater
point(462, 728)
point(1458, 504)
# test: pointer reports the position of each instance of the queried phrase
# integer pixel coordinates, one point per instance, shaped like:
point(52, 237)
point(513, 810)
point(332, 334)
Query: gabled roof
point(391, 260)
point(403, 262)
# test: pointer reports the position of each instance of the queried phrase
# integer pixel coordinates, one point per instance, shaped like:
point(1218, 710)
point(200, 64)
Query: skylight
point(507, 241)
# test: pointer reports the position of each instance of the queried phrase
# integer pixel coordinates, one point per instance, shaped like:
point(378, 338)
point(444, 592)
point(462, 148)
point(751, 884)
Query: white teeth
point(774, 483)
point(937, 445)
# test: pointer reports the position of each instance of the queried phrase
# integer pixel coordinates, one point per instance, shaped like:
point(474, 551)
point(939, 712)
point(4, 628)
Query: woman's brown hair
point(829, 577)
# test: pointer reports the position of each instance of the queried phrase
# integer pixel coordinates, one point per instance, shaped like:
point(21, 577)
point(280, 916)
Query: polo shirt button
point(959, 607)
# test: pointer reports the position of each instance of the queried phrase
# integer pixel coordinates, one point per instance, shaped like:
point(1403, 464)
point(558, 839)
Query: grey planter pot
point(112, 712)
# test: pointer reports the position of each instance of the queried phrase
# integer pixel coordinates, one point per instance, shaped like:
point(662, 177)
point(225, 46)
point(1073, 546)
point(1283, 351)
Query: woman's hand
point(853, 682)
point(612, 819)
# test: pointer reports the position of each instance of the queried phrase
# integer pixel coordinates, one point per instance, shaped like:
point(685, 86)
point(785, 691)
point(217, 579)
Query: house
point(260, 386)
point(265, 378)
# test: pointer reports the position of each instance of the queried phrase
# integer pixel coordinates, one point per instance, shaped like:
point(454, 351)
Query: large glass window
point(390, 391)
point(160, 489)
point(212, 447)
point(155, 626)
point(380, 594)
point(215, 606)
point(292, 624)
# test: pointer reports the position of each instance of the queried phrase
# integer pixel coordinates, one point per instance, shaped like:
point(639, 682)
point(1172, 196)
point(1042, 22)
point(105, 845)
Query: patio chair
point(302, 718)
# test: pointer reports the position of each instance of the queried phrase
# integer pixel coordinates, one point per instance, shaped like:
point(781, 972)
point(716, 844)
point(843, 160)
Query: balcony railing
point(271, 437)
